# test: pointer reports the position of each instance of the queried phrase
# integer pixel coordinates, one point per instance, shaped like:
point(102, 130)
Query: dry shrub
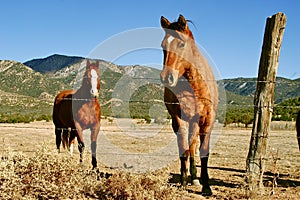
point(48, 175)
point(42, 175)
point(144, 186)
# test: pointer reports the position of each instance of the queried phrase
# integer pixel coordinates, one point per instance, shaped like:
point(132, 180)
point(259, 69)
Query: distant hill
point(25, 95)
point(284, 88)
point(17, 78)
point(52, 63)
point(24, 85)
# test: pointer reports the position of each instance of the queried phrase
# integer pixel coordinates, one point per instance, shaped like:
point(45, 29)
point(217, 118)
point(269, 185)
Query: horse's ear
point(87, 62)
point(97, 63)
point(165, 23)
point(182, 25)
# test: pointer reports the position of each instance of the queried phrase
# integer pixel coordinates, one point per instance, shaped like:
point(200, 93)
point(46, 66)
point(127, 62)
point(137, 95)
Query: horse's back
point(62, 109)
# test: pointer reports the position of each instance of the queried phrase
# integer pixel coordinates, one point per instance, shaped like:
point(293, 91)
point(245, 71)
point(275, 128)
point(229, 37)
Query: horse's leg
point(58, 138)
point(66, 138)
point(193, 139)
point(80, 140)
point(182, 141)
point(94, 135)
point(71, 141)
point(204, 154)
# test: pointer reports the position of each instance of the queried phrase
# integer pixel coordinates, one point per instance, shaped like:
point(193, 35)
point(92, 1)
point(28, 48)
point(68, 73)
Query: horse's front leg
point(79, 135)
point(94, 135)
point(204, 154)
point(72, 140)
point(194, 130)
point(183, 147)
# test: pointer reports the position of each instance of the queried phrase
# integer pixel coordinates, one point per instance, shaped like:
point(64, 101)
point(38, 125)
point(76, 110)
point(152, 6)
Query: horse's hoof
point(184, 184)
point(96, 169)
point(206, 191)
point(196, 182)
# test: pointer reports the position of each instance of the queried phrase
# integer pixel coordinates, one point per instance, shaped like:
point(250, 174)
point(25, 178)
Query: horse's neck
point(193, 71)
point(82, 93)
point(196, 74)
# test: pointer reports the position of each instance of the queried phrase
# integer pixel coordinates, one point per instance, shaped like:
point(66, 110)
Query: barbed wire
point(164, 102)
point(229, 80)
point(228, 105)
point(166, 129)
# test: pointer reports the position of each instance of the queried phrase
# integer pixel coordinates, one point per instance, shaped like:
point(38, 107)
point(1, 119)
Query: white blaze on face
point(170, 39)
point(171, 78)
point(94, 90)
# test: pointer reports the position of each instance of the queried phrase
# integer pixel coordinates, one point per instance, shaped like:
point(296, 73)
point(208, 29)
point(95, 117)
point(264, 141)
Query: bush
point(23, 118)
point(46, 175)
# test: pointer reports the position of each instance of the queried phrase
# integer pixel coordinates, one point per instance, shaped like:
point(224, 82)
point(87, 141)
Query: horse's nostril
point(164, 80)
point(170, 78)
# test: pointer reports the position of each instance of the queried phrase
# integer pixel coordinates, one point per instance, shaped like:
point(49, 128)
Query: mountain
point(25, 95)
point(18, 78)
point(52, 63)
point(61, 65)
point(125, 90)
point(31, 89)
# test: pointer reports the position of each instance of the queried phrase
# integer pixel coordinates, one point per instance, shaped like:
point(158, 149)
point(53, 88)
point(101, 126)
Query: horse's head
point(177, 49)
point(92, 78)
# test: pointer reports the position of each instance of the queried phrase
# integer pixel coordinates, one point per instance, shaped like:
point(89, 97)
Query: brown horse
point(191, 97)
point(298, 128)
point(75, 111)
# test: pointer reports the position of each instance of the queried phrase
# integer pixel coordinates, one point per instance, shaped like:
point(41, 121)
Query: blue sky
point(231, 31)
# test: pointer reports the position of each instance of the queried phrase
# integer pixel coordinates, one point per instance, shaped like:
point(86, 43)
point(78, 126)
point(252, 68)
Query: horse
point(190, 96)
point(78, 110)
point(298, 128)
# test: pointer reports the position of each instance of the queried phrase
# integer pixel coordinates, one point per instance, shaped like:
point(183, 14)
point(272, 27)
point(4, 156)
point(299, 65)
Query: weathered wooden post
point(263, 102)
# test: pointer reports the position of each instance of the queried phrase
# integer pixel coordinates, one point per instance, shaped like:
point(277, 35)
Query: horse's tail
point(298, 128)
point(66, 139)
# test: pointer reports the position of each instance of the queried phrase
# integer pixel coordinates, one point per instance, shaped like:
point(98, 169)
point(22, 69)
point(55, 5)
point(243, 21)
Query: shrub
point(48, 175)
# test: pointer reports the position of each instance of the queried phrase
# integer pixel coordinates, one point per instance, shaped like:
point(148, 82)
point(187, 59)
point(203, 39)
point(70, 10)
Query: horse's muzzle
point(94, 94)
point(169, 79)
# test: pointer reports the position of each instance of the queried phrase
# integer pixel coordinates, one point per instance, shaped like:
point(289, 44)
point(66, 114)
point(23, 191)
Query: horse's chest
point(87, 114)
point(188, 104)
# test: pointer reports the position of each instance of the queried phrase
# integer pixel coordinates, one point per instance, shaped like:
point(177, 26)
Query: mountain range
point(33, 85)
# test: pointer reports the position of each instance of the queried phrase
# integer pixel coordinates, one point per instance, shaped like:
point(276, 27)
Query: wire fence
point(7, 97)
point(240, 83)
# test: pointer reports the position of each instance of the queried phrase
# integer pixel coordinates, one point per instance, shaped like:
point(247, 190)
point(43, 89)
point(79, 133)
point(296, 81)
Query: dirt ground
point(144, 148)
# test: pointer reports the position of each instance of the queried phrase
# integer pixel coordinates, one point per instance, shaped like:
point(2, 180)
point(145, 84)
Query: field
point(140, 164)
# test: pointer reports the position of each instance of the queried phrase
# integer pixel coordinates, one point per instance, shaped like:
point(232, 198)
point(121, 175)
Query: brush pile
point(46, 175)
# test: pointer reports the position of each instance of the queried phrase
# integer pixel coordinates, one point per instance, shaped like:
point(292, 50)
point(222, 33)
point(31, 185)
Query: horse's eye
point(181, 44)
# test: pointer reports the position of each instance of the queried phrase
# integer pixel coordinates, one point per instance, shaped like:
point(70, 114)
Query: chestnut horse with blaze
point(191, 97)
point(77, 110)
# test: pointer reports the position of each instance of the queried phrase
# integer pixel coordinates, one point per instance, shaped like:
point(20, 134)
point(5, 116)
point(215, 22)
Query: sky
point(230, 31)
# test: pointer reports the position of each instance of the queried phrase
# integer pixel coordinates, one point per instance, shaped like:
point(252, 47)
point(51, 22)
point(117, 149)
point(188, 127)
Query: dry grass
point(45, 175)
point(30, 168)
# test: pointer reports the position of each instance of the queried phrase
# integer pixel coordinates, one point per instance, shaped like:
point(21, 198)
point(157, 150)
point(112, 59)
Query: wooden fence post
point(263, 102)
